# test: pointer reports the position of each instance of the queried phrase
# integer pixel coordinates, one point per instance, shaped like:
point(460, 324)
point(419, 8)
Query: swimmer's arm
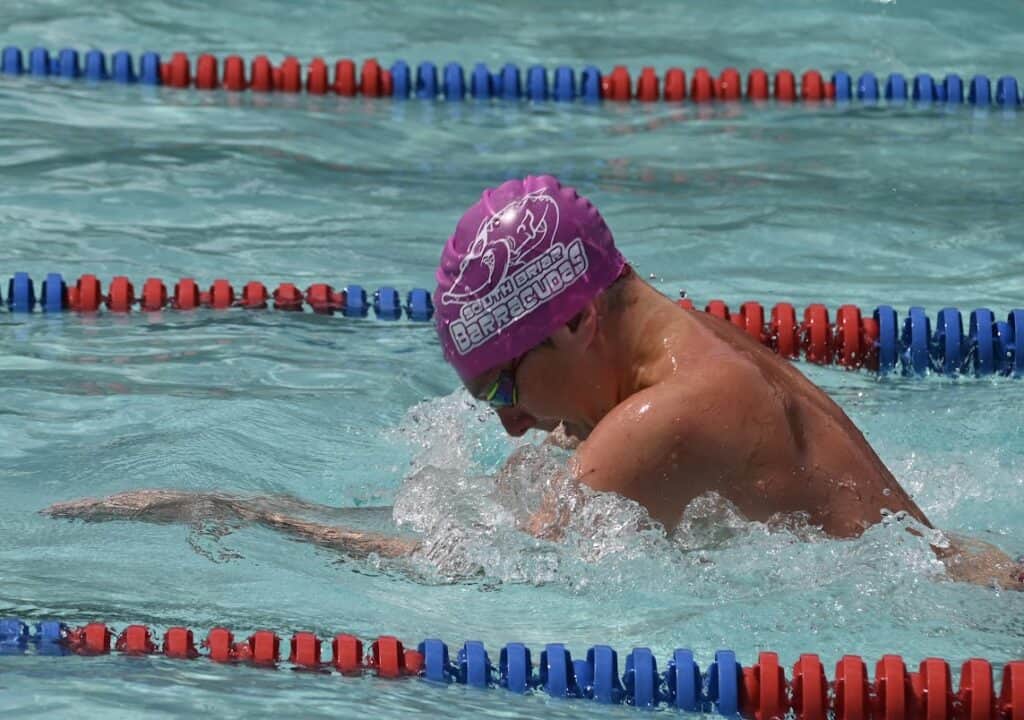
point(178, 506)
point(638, 447)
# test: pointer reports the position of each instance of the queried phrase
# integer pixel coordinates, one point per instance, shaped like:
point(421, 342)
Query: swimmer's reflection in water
point(660, 405)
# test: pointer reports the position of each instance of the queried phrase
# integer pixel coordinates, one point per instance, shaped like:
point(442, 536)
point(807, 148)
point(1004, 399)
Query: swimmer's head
point(523, 262)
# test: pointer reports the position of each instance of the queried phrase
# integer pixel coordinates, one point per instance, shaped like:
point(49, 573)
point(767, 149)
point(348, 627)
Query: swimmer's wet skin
point(541, 316)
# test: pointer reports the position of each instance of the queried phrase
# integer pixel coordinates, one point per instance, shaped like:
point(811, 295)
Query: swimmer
point(543, 319)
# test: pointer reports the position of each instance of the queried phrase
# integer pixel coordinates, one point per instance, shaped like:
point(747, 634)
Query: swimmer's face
point(500, 388)
point(551, 383)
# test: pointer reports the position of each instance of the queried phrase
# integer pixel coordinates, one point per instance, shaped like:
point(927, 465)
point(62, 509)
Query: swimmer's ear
point(579, 332)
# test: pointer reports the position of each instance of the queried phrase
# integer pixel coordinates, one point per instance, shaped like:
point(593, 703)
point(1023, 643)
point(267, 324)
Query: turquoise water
point(865, 205)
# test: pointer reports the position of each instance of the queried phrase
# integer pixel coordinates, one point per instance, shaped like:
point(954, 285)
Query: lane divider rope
point(453, 82)
point(877, 341)
point(759, 692)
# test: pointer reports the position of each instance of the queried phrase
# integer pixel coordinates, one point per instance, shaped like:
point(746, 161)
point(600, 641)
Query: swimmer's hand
point(980, 563)
point(565, 436)
point(178, 506)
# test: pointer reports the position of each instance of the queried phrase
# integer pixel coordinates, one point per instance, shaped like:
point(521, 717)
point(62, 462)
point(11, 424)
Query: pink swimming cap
point(524, 260)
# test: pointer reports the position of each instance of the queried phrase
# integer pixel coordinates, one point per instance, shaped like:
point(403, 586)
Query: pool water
point(900, 205)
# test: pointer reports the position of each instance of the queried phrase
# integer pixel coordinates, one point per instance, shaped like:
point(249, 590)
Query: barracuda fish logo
point(505, 241)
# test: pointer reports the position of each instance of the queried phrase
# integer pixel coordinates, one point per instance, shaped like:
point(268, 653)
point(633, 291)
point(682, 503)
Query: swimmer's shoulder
point(635, 437)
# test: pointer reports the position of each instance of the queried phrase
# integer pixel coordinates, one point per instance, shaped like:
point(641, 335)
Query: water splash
point(478, 499)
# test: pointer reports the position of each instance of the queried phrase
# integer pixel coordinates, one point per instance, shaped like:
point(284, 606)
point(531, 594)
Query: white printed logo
point(507, 272)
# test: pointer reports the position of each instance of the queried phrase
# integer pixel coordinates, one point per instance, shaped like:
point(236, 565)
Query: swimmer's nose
point(516, 422)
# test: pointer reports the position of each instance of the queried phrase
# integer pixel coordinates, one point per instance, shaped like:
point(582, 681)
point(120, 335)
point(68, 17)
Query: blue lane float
point(149, 69)
point(724, 681)
point(565, 84)
point(916, 341)
point(948, 341)
point(980, 92)
point(867, 88)
point(896, 88)
point(1007, 93)
point(122, 68)
point(355, 306)
point(924, 89)
point(95, 66)
point(454, 82)
point(386, 304)
point(426, 81)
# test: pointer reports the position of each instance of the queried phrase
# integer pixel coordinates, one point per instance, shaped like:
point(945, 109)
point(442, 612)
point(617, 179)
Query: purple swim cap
point(524, 260)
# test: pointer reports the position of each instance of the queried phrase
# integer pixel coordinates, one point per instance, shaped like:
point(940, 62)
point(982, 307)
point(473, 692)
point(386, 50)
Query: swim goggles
point(503, 392)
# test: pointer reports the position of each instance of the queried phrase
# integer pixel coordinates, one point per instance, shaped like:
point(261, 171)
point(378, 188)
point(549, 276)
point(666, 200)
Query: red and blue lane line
point(726, 687)
point(877, 342)
point(87, 296)
point(452, 82)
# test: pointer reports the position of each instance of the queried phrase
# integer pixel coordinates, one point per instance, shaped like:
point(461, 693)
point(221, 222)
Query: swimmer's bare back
point(711, 409)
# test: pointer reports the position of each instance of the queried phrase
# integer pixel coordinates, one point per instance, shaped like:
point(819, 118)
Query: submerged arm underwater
point(966, 559)
point(274, 512)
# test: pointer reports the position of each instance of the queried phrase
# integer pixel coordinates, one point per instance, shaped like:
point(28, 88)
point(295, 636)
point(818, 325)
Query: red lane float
point(92, 639)
point(718, 309)
point(647, 85)
point(812, 88)
point(345, 78)
point(976, 699)
point(757, 85)
point(785, 86)
point(287, 297)
point(785, 337)
point(289, 79)
point(370, 80)
point(765, 696)
point(849, 351)
point(122, 295)
point(890, 697)
point(933, 690)
point(179, 643)
point(617, 85)
point(305, 650)
point(702, 87)
point(675, 84)
point(177, 72)
point(869, 336)
point(316, 77)
point(221, 295)
point(850, 699)
point(87, 295)
point(234, 74)
point(809, 689)
point(186, 294)
point(817, 335)
point(154, 295)
point(254, 296)
point(261, 74)
point(348, 654)
point(206, 73)
point(753, 321)
point(1011, 697)
point(135, 640)
point(730, 85)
